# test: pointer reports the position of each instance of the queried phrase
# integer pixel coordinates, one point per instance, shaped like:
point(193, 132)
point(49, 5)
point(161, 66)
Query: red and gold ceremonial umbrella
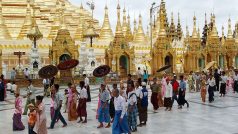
point(101, 71)
point(48, 71)
point(69, 64)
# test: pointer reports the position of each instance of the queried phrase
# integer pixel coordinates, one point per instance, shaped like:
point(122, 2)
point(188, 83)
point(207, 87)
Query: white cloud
point(222, 9)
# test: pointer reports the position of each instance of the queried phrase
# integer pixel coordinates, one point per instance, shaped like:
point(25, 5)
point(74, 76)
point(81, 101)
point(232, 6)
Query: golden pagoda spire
point(140, 35)
point(214, 33)
point(135, 29)
point(229, 33)
point(106, 31)
point(56, 24)
point(162, 31)
point(223, 36)
point(4, 33)
point(63, 15)
point(124, 23)
point(80, 29)
point(129, 36)
point(147, 37)
point(199, 33)
point(194, 34)
point(187, 32)
point(179, 29)
point(118, 26)
point(27, 23)
point(172, 30)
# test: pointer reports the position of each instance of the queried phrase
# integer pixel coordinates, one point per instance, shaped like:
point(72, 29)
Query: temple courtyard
point(219, 117)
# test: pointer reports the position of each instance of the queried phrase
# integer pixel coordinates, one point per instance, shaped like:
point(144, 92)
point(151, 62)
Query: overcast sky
point(223, 9)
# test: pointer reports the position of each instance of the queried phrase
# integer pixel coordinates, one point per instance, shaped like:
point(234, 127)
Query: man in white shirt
point(168, 95)
point(82, 105)
point(223, 83)
point(235, 77)
point(58, 99)
point(132, 108)
point(86, 81)
point(211, 85)
point(120, 122)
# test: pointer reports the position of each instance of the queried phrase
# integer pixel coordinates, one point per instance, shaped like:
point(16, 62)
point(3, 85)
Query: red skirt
point(82, 108)
point(154, 100)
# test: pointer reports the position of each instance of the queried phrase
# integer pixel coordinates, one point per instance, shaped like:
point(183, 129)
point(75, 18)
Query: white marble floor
point(220, 117)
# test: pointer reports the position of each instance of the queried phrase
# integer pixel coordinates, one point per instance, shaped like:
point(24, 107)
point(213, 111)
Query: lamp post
point(35, 34)
point(152, 9)
point(90, 32)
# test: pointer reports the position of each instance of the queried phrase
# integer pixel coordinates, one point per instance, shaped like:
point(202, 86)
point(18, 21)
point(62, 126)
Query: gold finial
point(135, 28)
point(172, 17)
point(63, 15)
point(81, 5)
point(178, 17)
point(129, 36)
point(214, 33)
point(80, 30)
point(179, 29)
point(124, 23)
point(118, 26)
point(140, 35)
point(187, 32)
point(229, 33)
point(205, 18)
point(194, 34)
point(106, 31)
point(223, 36)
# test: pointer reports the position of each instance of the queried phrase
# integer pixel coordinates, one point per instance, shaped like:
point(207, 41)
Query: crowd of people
point(122, 106)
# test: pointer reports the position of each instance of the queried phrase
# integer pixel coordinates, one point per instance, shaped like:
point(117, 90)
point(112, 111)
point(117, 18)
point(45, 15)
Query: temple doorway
point(169, 61)
point(124, 65)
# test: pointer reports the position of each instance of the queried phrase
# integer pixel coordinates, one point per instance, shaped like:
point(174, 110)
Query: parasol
point(101, 71)
point(209, 65)
point(164, 68)
point(48, 71)
point(69, 64)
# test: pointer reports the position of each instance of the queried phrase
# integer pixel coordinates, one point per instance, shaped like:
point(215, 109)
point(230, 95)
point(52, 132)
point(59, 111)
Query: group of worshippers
point(166, 91)
point(36, 116)
point(212, 81)
point(122, 106)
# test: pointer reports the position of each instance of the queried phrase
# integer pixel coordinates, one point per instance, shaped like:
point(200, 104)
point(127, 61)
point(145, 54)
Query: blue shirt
point(145, 76)
point(182, 85)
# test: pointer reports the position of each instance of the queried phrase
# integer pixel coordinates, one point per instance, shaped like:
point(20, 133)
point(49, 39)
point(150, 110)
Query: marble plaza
point(219, 117)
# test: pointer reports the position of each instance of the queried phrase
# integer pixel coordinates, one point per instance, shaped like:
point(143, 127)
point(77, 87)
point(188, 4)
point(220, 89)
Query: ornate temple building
point(124, 51)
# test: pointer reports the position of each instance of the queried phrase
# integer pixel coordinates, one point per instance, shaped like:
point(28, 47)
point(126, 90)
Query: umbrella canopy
point(164, 68)
point(209, 65)
point(101, 71)
point(47, 72)
point(69, 64)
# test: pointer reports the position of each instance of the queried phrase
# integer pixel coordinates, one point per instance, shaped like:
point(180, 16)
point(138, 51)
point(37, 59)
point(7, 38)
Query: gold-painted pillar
point(118, 65)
